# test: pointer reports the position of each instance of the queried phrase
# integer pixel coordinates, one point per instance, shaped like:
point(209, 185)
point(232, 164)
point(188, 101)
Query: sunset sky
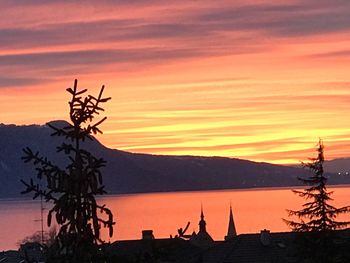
point(257, 80)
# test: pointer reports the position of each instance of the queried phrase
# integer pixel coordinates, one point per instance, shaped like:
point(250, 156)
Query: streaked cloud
point(93, 57)
point(261, 80)
point(18, 82)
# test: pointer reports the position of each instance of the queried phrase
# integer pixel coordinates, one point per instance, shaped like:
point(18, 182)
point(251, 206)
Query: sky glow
point(257, 80)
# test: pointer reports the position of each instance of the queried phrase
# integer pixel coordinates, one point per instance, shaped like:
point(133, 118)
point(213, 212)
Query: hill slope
point(340, 165)
point(132, 173)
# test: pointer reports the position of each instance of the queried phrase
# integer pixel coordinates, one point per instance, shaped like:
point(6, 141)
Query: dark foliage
point(73, 188)
point(317, 214)
point(322, 247)
point(181, 232)
point(317, 217)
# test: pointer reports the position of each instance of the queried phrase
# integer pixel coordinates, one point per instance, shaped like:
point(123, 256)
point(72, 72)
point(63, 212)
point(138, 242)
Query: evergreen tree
point(317, 218)
point(317, 214)
point(72, 190)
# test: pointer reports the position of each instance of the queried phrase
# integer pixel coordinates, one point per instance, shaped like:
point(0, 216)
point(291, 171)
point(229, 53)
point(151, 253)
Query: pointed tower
point(202, 223)
point(231, 232)
point(202, 238)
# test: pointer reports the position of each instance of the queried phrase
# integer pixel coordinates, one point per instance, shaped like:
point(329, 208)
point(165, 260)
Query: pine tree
point(317, 218)
point(73, 189)
point(317, 214)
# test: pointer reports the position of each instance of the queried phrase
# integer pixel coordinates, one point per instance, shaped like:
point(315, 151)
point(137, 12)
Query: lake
point(164, 213)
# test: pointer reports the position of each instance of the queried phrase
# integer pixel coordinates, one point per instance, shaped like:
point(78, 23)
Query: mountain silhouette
point(127, 172)
point(339, 165)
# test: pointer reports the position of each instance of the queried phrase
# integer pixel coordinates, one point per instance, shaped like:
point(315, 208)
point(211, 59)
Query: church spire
point(202, 223)
point(202, 238)
point(231, 232)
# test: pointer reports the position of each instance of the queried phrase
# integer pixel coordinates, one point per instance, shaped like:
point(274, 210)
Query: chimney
point(265, 237)
point(147, 235)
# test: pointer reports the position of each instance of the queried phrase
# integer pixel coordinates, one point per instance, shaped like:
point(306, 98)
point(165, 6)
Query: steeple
point(231, 232)
point(202, 223)
point(202, 238)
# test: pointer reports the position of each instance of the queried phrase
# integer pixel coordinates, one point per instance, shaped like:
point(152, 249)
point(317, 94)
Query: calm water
point(164, 213)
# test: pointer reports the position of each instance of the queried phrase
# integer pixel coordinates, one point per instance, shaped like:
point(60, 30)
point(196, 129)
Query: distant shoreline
point(269, 188)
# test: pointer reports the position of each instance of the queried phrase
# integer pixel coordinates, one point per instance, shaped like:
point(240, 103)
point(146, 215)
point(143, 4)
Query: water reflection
point(164, 213)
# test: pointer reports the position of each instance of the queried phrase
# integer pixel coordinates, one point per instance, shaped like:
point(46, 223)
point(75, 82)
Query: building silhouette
point(202, 238)
point(231, 231)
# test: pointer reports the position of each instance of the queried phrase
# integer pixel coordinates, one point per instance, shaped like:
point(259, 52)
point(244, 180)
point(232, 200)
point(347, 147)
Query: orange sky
point(257, 80)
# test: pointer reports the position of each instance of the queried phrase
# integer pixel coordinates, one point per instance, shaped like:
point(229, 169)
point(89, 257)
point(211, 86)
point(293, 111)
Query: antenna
point(41, 220)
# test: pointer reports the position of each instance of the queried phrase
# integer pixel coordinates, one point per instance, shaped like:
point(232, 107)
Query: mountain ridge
point(138, 172)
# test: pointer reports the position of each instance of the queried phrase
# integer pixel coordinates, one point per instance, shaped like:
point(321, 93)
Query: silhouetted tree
point(182, 232)
point(73, 188)
point(37, 237)
point(317, 217)
point(317, 214)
